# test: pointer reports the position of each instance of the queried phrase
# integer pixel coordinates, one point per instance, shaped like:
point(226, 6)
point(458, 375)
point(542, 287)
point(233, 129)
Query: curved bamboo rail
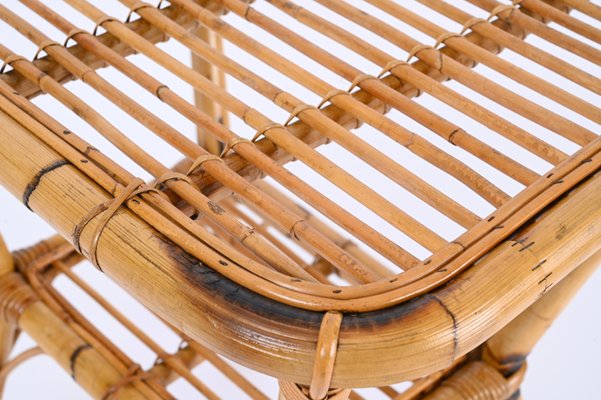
point(446, 314)
point(233, 262)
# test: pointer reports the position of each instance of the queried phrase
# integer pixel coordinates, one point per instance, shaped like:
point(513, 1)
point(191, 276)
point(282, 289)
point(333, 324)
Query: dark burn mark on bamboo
point(74, 355)
point(33, 184)
point(455, 325)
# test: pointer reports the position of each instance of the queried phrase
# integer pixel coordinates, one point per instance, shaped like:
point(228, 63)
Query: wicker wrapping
point(240, 245)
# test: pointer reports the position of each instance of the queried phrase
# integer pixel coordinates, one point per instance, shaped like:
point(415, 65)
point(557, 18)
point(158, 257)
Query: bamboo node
point(391, 65)
point(11, 59)
point(325, 355)
point(264, 130)
point(358, 80)
point(332, 93)
point(201, 160)
point(42, 47)
point(15, 297)
point(101, 21)
point(297, 110)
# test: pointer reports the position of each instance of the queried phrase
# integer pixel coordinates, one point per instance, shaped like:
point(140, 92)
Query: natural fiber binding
point(299, 109)
point(134, 373)
point(9, 60)
point(135, 8)
point(325, 355)
point(357, 81)
point(416, 49)
point(444, 37)
point(101, 21)
point(197, 163)
point(390, 66)
point(42, 47)
point(263, 131)
point(15, 297)
point(499, 9)
point(107, 210)
point(233, 143)
point(72, 33)
point(329, 96)
point(470, 23)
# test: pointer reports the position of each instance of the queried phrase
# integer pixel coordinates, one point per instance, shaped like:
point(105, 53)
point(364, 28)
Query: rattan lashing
point(221, 252)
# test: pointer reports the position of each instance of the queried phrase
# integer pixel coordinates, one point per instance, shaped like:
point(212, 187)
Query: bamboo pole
point(247, 150)
point(205, 138)
point(523, 48)
point(585, 6)
point(538, 28)
point(497, 63)
point(91, 371)
point(551, 13)
point(475, 81)
point(180, 286)
point(508, 349)
point(367, 196)
point(60, 74)
point(348, 104)
point(7, 330)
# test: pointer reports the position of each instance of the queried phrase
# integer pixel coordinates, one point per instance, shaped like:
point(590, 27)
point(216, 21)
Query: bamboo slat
point(345, 237)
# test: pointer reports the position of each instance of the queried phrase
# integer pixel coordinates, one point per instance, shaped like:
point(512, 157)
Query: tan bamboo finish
point(205, 139)
point(585, 6)
point(7, 330)
point(534, 26)
point(549, 12)
point(511, 255)
point(443, 93)
point(41, 267)
point(476, 380)
point(521, 47)
point(332, 209)
point(394, 281)
point(460, 44)
point(60, 343)
point(344, 180)
point(508, 348)
point(224, 277)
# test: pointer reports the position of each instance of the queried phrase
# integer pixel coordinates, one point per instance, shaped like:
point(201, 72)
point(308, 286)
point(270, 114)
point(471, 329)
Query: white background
point(564, 365)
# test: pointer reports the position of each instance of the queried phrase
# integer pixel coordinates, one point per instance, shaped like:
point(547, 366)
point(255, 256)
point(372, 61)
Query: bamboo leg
point(205, 103)
point(20, 306)
point(508, 349)
point(8, 331)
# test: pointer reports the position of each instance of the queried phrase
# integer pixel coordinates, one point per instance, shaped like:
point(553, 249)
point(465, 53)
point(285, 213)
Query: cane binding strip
point(232, 228)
